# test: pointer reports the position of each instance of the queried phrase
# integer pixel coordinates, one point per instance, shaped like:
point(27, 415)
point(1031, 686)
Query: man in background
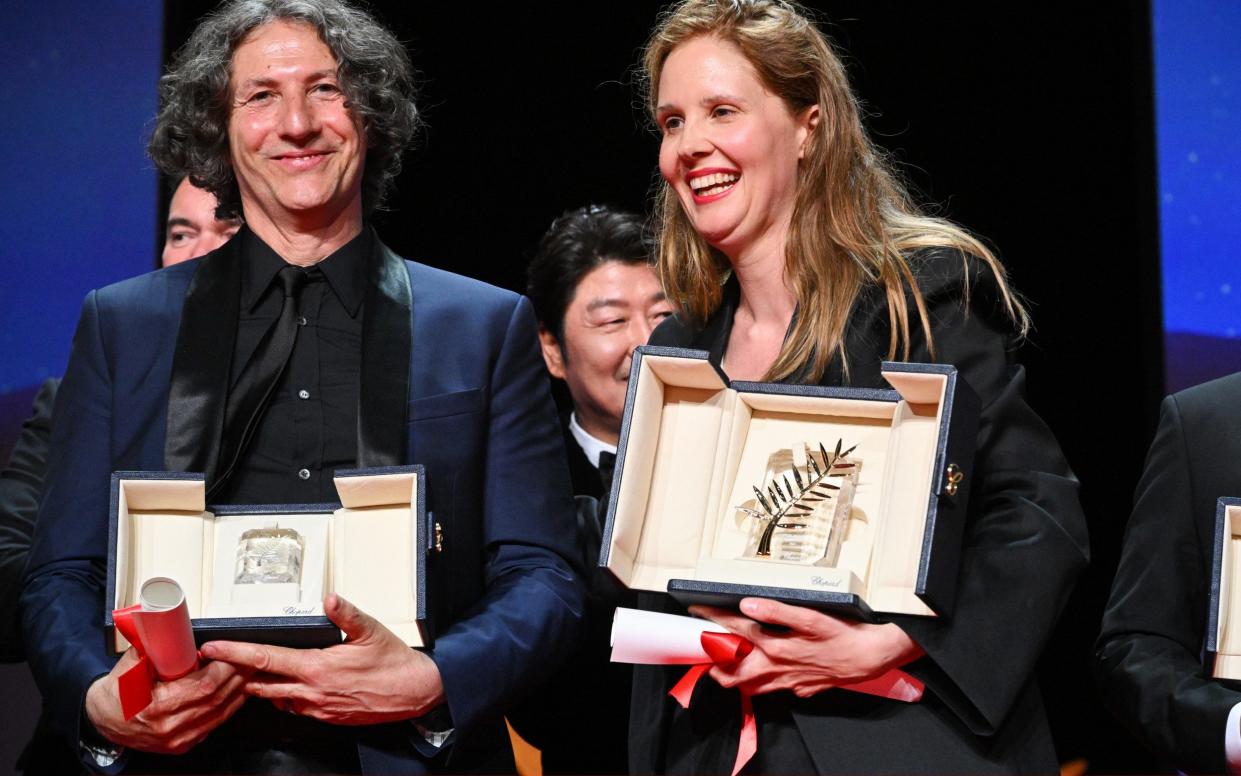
point(597, 298)
point(192, 228)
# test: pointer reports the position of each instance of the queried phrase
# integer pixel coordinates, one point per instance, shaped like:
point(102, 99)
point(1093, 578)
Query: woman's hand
point(815, 653)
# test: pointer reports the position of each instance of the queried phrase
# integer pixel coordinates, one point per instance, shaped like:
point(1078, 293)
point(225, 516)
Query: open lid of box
point(1222, 648)
point(680, 405)
point(375, 537)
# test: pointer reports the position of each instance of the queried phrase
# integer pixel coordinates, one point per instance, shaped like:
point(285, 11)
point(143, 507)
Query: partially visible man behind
point(597, 298)
point(304, 345)
point(192, 228)
point(1149, 656)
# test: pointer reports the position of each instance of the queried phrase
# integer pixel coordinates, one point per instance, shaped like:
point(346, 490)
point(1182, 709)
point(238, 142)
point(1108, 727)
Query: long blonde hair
point(853, 224)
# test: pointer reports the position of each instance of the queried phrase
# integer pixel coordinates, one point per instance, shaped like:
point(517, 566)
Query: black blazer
point(1024, 546)
point(1148, 661)
point(20, 485)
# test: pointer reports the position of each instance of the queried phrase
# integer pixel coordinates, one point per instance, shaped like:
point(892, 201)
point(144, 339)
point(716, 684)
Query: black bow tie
point(607, 463)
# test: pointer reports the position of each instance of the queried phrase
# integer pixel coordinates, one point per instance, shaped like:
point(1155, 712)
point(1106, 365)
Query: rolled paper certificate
point(164, 627)
point(655, 638)
point(159, 628)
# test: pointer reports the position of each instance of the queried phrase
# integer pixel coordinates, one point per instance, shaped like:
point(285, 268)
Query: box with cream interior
point(1223, 638)
point(849, 500)
point(260, 573)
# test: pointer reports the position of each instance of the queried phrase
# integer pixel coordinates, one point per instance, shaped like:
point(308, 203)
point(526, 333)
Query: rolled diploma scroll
point(656, 638)
point(164, 627)
point(158, 626)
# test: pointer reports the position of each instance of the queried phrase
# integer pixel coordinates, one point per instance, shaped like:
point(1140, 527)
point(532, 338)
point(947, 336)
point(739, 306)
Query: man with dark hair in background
point(192, 228)
point(597, 298)
point(301, 346)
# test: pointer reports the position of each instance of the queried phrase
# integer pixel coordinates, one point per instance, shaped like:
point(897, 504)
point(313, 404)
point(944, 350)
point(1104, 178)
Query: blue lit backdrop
point(1198, 116)
point(78, 197)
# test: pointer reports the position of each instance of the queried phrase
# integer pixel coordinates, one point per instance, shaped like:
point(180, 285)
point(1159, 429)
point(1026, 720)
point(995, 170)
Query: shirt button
point(301, 320)
point(303, 394)
point(303, 474)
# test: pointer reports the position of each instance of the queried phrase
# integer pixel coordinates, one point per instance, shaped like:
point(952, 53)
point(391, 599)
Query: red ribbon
point(725, 648)
point(136, 685)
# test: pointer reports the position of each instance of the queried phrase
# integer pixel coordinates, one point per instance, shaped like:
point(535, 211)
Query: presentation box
point(852, 501)
point(1223, 638)
point(259, 573)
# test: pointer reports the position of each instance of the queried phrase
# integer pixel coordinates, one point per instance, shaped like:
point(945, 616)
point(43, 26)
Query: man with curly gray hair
point(301, 346)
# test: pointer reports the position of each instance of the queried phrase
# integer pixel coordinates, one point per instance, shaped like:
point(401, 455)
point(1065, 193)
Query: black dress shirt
point(309, 429)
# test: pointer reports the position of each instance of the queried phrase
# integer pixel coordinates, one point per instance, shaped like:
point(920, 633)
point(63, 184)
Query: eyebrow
point(266, 81)
point(595, 304)
point(710, 99)
point(180, 221)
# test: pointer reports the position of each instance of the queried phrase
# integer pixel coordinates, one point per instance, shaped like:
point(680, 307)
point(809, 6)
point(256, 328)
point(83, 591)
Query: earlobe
point(551, 353)
point(809, 122)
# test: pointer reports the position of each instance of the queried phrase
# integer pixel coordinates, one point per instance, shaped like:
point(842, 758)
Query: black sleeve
point(20, 485)
point(1025, 541)
point(1148, 658)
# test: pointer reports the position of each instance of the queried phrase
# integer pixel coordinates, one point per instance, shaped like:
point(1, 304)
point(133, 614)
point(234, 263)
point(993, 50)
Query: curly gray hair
point(191, 131)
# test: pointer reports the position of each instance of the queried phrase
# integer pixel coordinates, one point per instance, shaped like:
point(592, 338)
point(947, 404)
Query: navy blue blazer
point(145, 390)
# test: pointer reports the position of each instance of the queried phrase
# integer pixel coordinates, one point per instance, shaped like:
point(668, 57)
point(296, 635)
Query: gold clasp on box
point(955, 475)
point(439, 537)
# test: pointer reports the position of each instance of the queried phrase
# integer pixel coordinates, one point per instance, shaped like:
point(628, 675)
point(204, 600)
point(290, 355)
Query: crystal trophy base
point(269, 565)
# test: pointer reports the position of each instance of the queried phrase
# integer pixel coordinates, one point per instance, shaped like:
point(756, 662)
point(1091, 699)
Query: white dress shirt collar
point(591, 446)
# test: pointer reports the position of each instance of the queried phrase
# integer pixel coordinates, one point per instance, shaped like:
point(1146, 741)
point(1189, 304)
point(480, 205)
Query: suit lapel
point(383, 395)
point(201, 363)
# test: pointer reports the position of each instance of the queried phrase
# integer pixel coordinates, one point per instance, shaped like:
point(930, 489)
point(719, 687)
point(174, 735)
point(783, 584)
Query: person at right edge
point(768, 175)
point(1149, 655)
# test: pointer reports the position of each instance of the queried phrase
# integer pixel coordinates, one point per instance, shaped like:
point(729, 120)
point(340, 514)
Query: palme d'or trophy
point(802, 516)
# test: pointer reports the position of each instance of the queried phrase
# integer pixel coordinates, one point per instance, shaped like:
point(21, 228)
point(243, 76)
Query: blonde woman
point(796, 255)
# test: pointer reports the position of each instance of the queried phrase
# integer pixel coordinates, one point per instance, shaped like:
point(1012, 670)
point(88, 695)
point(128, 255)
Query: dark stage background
point(1031, 124)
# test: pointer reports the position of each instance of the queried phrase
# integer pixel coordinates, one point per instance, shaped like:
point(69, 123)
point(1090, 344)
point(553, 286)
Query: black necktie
point(257, 381)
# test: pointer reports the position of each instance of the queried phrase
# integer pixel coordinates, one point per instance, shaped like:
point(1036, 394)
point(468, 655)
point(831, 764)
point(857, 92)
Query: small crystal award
point(801, 516)
point(269, 556)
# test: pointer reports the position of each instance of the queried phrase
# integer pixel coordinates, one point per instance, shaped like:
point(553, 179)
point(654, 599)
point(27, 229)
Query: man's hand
point(815, 653)
point(372, 677)
point(181, 714)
